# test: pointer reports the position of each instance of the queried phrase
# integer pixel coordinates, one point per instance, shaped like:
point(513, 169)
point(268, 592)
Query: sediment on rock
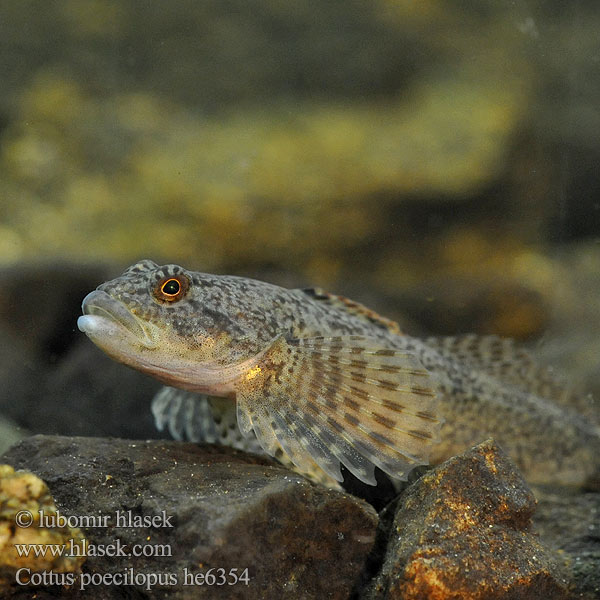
point(212, 508)
point(464, 531)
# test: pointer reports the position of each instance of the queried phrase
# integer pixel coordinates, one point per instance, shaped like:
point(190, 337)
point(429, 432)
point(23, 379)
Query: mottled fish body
point(321, 381)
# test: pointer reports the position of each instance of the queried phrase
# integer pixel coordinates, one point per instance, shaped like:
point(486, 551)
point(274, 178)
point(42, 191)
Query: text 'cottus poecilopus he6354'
point(318, 380)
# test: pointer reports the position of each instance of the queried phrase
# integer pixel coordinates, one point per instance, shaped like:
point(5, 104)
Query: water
point(435, 161)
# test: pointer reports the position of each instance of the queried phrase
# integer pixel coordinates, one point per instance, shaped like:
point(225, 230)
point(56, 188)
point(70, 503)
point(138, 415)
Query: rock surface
point(463, 531)
point(222, 509)
point(570, 524)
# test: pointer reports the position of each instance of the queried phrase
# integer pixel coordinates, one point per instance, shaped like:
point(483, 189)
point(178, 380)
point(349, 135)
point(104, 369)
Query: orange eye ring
point(171, 289)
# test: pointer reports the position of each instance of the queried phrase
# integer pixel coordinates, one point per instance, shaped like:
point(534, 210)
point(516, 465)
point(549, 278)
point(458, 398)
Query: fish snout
point(103, 312)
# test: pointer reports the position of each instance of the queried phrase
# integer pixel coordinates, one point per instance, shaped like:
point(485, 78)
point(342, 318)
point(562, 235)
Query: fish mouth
point(105, 315)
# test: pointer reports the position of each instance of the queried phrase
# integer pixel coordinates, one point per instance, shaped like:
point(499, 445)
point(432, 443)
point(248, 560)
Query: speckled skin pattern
point(486, 387)
point(249, 311)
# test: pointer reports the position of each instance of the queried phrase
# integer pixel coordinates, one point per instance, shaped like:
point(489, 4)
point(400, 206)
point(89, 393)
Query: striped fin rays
point(341, 400)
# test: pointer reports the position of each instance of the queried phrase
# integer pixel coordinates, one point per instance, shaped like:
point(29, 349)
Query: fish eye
point(171, 289)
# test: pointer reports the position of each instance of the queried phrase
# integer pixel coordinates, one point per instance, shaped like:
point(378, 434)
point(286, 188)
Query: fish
point(320, 381)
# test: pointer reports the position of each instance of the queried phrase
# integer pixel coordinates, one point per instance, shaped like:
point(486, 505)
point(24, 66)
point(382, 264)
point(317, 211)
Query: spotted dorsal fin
point(354, 308)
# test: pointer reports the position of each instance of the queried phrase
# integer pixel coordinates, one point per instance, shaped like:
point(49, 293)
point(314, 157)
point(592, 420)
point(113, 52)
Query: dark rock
point(464, 531)
point(84, 393)
point(570, 524)
point(91, 394)
point(54, 380)
point(227, 510)
point(39, 303)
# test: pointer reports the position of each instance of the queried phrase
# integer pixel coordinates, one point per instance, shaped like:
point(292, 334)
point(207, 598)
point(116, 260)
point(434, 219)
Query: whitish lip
point(99, 307)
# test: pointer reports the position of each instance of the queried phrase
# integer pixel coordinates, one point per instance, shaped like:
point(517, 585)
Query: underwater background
point(437, 161)
point(434, 160)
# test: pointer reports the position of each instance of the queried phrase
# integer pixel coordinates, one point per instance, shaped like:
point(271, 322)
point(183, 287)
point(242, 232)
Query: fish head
point(160, 320)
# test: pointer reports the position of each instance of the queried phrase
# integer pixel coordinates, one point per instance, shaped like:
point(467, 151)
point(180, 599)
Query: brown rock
point(463, 531)
point(224, 510)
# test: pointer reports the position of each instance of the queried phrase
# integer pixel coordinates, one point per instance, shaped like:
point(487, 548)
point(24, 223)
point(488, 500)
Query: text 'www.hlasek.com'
point(197, 574)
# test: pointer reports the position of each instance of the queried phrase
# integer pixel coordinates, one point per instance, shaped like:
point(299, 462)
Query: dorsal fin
point(354, 308)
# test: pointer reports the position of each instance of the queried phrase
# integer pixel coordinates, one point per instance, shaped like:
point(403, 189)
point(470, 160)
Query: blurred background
point(435, 160)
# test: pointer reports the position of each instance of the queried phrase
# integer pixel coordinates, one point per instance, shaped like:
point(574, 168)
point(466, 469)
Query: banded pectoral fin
point(186, 415)
point(341, 400)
